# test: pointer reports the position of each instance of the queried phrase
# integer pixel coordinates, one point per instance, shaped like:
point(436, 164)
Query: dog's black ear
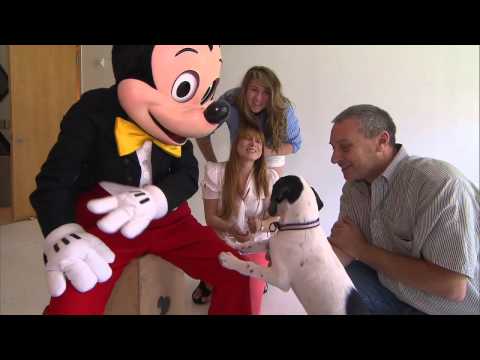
point(272, 209)
point(319, 202)
point(294, 188)
point(286, 188)
point(278, 195)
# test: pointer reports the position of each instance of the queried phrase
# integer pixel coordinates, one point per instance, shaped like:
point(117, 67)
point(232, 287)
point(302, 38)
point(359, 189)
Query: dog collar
point(293, 226)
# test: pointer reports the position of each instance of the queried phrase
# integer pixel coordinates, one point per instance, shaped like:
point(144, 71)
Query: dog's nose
point(217, 112)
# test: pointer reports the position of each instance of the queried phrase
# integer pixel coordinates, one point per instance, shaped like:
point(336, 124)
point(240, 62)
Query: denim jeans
point(377, 297)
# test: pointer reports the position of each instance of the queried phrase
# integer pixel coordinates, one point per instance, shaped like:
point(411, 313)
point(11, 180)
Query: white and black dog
point(301, 255)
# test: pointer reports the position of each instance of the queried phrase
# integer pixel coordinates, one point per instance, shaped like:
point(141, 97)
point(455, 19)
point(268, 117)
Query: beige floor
point(23, 287)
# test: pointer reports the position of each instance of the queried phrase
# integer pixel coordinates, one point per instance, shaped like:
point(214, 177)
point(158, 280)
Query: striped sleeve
point(447, 225)
point(355, 206)
point(346, 208)
point(293, 130)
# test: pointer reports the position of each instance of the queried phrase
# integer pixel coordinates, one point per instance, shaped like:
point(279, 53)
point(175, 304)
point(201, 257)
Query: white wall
point(431, 92)
point(96, 67)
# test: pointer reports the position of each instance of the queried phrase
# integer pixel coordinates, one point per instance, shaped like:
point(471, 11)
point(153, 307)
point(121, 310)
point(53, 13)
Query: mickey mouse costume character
point(122, 161)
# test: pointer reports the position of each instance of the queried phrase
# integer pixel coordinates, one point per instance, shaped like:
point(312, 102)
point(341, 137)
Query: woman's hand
point(284, 149)
point(268, 151)
point(254, 224)
point(238, 234)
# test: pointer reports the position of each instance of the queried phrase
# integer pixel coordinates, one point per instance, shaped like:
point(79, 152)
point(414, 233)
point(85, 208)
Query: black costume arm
point(54, 197)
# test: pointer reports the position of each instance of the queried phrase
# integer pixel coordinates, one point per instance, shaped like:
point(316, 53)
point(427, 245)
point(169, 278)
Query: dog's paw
point(244, 245)
point(227, 260)
point(232, 243)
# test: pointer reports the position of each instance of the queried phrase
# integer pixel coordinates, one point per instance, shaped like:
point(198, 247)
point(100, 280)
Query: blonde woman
point(259, 101)
point(236, 196)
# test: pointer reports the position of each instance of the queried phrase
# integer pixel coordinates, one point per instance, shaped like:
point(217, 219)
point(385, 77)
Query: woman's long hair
point(276, 109)
point(231, 186)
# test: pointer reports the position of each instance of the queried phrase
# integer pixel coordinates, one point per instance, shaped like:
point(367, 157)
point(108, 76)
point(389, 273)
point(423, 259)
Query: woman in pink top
point(236, 196)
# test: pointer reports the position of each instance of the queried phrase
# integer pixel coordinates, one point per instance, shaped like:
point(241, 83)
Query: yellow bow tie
point(130, 138)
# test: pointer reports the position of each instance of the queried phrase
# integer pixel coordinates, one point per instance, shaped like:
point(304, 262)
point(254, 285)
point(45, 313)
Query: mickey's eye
point(210, 92)
point(185, 86)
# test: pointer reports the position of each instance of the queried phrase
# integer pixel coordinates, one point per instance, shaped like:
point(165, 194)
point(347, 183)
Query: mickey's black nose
point(217, 112)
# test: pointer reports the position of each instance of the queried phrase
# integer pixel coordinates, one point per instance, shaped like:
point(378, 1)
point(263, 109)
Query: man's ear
point(383, 139)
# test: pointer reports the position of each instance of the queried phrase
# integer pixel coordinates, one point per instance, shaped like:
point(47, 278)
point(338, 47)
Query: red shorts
point(177, 238)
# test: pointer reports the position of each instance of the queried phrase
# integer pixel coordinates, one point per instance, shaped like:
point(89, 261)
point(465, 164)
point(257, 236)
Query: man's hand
point(131, 211)
point(347, 236)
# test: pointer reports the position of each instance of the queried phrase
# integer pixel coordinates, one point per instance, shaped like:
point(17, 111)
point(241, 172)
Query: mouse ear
point(132, 62)
point(319, 201)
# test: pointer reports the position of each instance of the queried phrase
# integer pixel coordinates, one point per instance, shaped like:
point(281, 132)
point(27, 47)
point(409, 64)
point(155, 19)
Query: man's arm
point(205, 145)
point(416, 273)
point(343, 257)
point(345, 210)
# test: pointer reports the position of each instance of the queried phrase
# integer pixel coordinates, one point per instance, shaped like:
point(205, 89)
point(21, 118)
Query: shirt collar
point(401, 154)
point(388, 173)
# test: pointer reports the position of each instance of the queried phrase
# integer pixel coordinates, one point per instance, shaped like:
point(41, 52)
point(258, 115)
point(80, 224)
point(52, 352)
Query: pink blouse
point(252, 204)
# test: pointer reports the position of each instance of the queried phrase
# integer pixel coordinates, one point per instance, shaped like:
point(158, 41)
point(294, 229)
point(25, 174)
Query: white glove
point(81, 257)
point(131, 211)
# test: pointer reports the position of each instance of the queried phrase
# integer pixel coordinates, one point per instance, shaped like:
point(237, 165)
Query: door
point(44, 83)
